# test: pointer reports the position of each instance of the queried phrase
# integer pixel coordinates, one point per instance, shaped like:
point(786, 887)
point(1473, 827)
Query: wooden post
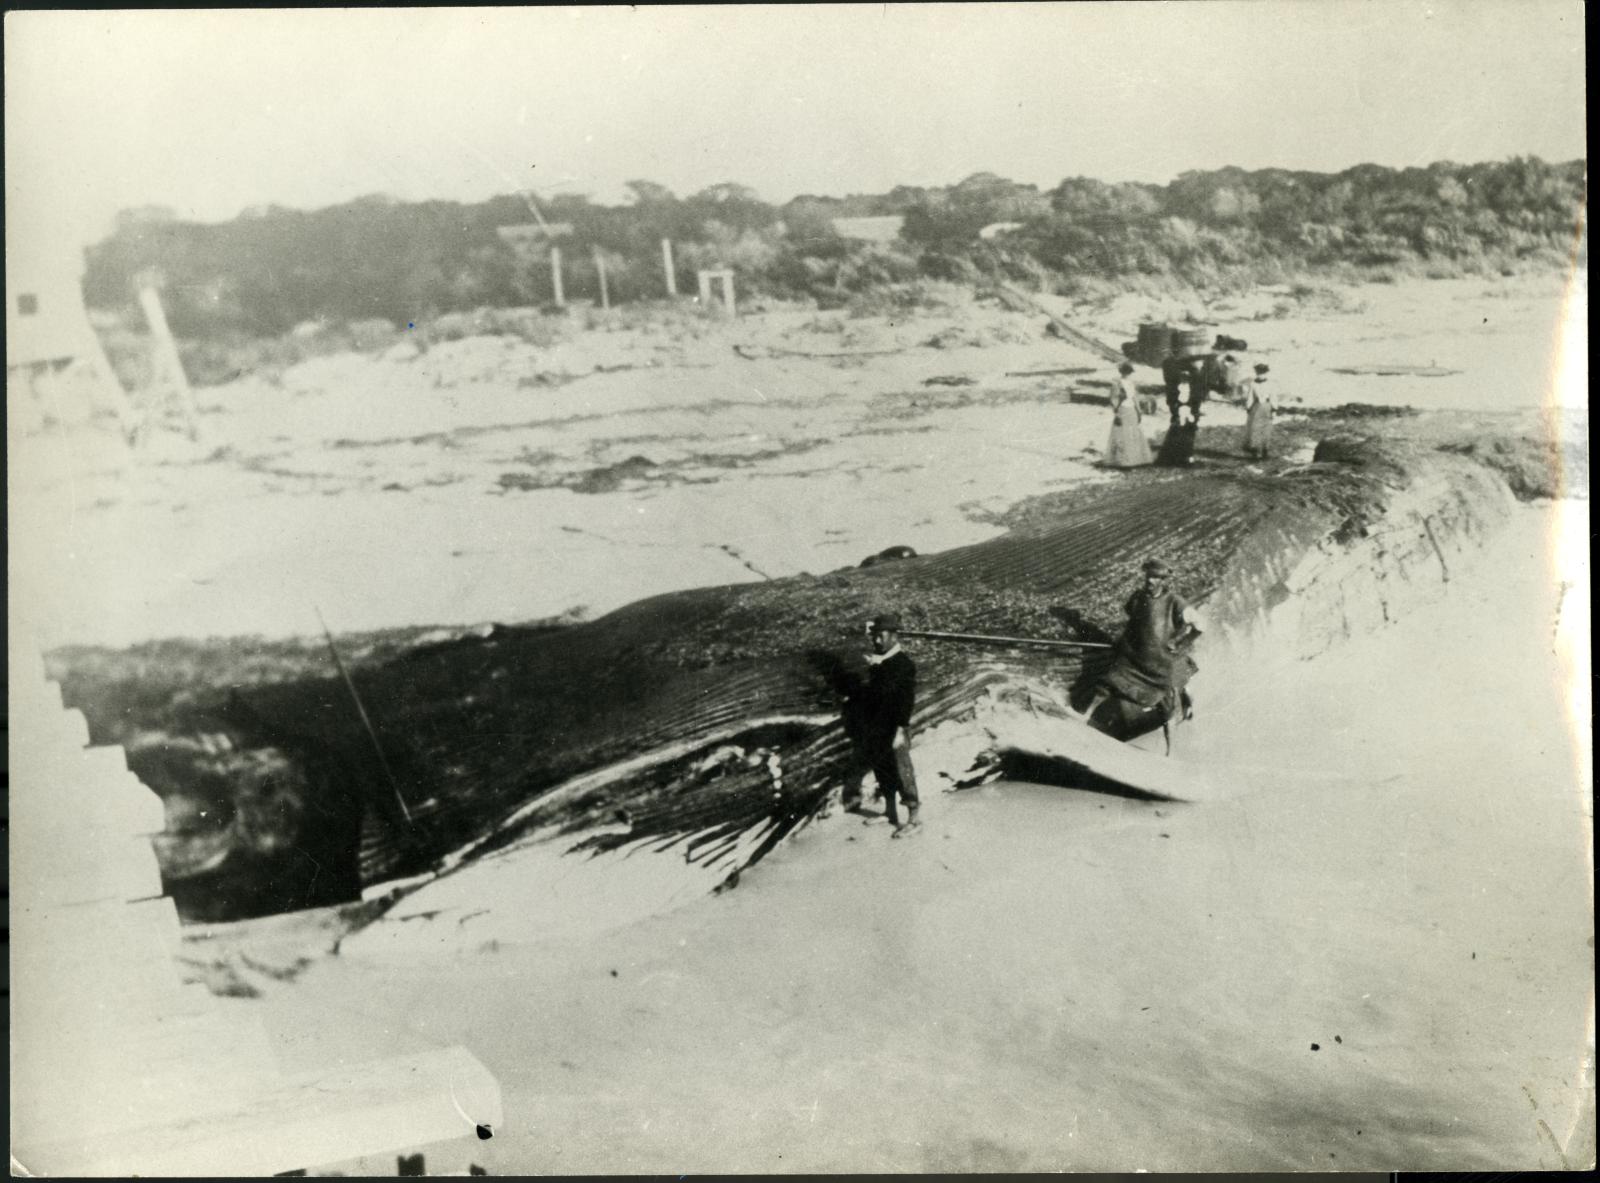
point(666, 261)
point(172, 385)
point(600, 269)
point(555, 276)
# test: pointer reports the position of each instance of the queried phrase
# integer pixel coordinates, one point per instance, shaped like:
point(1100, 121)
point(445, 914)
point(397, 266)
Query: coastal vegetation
point(378, 262)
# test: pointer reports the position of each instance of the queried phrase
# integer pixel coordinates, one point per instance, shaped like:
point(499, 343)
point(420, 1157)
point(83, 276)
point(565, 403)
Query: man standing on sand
point(883, 712)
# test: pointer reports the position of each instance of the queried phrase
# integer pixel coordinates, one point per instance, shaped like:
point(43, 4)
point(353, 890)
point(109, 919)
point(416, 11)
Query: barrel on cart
point(1191, 341)
point(1158, 340)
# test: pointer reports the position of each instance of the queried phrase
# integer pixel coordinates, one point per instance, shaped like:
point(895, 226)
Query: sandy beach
point(1374, 953)
point(468, 477)
point(487, 479)
point(1374, 957)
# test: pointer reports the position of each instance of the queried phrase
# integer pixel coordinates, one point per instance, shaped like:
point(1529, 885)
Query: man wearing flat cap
point(883, 706)
point(1152, 666)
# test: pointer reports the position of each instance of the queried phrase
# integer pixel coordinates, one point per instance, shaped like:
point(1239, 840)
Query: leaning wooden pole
point(1063, 330)
point(372, 733)
point(170, 381)
point(984, 639)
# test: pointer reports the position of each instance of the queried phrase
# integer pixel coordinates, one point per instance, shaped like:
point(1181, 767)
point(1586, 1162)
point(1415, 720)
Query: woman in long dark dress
point(1177, 446)
point(1127, 447)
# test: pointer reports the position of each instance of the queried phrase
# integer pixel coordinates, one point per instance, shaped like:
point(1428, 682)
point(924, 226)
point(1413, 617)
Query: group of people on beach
point(1203, 376)
point(1148, 677)
point(1151, 666)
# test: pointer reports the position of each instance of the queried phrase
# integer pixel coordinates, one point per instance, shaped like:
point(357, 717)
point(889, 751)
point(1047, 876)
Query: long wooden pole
point(600, 269)
point(983, 639)
point(666, 263)
point(1063, 329)
point(372, 734)
point(170, 380)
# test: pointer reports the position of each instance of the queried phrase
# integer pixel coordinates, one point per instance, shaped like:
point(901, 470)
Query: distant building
point(56, 371)
point(884, 228)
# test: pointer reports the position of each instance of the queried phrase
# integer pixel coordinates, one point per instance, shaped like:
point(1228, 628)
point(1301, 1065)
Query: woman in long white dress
point(1127, 447)
point(1258, 427)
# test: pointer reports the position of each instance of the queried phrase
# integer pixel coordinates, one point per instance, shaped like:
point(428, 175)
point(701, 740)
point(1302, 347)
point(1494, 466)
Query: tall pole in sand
point(666, 262)
point(600, 270)
point(555, 277)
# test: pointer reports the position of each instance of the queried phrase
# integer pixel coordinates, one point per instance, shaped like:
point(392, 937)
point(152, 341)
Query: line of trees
point(272, 268)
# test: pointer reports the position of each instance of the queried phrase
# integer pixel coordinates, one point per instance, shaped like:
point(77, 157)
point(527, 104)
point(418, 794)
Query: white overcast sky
point(210, 112)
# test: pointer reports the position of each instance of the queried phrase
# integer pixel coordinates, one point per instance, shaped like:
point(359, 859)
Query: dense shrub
point(376, 259)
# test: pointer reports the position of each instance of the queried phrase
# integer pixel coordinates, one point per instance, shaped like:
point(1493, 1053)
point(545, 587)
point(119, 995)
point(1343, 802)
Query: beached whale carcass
point(706, 723)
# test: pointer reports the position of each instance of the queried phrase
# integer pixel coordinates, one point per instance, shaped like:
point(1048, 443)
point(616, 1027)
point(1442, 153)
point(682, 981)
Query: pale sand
point(971, 1001)
point(1046, 979)
point(369, 486)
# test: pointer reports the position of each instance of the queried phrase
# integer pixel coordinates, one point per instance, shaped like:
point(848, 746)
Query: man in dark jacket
point(882, 712)
point(1200, 376)
point(1152, 663)
point(1173, 374)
